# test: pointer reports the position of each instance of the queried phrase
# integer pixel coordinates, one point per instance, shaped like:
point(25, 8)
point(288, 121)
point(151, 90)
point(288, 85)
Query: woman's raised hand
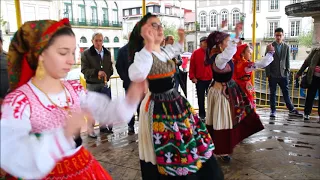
point(148, 35)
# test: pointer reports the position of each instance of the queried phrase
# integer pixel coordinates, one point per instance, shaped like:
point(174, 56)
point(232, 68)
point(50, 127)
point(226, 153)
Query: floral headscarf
point(26, 46)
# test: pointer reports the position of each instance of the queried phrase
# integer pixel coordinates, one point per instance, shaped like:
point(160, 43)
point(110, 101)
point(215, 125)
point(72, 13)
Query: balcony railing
point(101, 23)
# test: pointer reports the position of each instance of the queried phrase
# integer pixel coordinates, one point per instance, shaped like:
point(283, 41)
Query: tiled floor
point(287, 148)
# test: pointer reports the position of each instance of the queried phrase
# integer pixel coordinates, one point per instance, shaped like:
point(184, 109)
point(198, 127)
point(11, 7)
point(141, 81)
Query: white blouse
point(223, 58)
point(26, 156)
point(140, 68)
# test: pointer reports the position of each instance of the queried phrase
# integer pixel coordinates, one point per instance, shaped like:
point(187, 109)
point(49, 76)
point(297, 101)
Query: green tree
point(2, 22)
point(170, 30)
point(305, 39)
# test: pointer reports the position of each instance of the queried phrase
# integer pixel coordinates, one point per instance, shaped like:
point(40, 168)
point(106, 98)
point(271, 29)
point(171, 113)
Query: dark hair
point(278, 30)
point(1, 40)
point(66, 31)
point(213, 40)
point(136, 40)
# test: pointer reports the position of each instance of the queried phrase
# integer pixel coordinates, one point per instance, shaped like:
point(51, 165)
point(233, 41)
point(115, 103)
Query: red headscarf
point(240, 49)
point(26, 46)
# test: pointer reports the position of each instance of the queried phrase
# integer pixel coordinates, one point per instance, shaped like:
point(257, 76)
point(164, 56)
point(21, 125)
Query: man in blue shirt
point(278, 73)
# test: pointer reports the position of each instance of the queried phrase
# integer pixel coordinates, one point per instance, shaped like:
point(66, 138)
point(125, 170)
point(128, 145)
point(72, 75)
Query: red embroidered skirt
point(82, 165)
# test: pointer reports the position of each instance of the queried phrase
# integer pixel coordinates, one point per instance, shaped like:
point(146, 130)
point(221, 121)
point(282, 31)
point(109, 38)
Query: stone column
point(316, 31)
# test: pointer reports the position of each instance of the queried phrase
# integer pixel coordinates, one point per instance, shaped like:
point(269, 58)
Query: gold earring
point(40, 71)
point(220, 48)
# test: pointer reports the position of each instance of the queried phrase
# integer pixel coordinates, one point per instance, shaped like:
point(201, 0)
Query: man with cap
point(200, 74)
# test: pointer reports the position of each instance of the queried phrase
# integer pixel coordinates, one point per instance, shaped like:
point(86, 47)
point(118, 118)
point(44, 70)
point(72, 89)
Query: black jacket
point(122, 66)
point(90, 65)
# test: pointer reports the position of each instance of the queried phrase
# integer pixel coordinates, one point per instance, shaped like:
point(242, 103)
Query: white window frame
point(126, 12)
point(134, 11)
point(297, 30)
point(213, 19)
point(274, 2)
point(203, 20)
point(295, 1)
point(271, 33)
point(224, 16)
point(235, 12)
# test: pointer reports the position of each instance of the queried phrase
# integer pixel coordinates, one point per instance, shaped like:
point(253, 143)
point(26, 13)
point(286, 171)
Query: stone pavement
point(287, 148)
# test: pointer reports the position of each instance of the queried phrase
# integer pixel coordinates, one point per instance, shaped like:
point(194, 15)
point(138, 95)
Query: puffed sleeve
point(140, 68)
point(223, 58)
point(23, 154)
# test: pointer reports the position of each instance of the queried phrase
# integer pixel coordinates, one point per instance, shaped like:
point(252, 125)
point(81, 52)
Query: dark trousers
point(131, 123)
point(283, 83)
point(97, 88)
point(202, 89)
point(311, 93)
point(176, 79)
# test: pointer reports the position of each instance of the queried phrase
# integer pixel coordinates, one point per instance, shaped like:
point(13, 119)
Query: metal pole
point(144, 7)
point(254, 12)
point(196, 23)
point(18, 13)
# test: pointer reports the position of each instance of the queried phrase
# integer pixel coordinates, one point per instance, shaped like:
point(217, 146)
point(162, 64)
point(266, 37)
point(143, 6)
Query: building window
point(274, 5)
point(83, 39)
point(213, 19)
point(44, 13)
point(105, 39)
point(294, 28)
point(203, 20)
point(82, 13)
point(126, 12)
point(168, 11)
point(258, 5)
point(115, 14)
point(68, 11)
point(105, 14)
point(29, 13)
point(150, 9)
point(116, 39)
point(190, 46)
point(134, 11)
point(224, 16)
point(295, 1)
point(157, 9)
point(94, 14)
point(235, 17)
point(272, 25)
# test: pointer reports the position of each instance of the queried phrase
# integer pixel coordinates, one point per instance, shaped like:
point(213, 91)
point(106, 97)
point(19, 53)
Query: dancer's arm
point(24, 154)
point(140, 68)
point(223, 58)
point(264, 62)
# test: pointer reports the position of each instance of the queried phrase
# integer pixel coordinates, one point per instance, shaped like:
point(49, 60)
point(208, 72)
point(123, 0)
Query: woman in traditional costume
point(230, 117)
point(243, 67)
point(41, 117)
point(173, 143)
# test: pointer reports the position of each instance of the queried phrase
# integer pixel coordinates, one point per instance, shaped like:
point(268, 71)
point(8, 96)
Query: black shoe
point(306, 117)
point(104, 130)
point(110, 130)
point(131, 131)
point(226, 159)
point(272, 114)
point(295, 113)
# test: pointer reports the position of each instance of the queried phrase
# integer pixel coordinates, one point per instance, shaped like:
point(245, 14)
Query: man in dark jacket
point(278, 73)
point(96, 66)
point(4, 72)
point(122, 66)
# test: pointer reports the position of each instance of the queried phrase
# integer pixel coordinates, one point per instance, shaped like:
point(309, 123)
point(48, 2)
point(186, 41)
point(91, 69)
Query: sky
point(188, 4)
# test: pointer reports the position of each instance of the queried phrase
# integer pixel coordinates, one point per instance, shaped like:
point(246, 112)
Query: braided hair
point(213, 40)
point(136, 40)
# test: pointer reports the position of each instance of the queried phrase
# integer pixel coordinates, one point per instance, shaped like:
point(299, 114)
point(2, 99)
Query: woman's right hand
point(148, 35)
point(73, 125)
